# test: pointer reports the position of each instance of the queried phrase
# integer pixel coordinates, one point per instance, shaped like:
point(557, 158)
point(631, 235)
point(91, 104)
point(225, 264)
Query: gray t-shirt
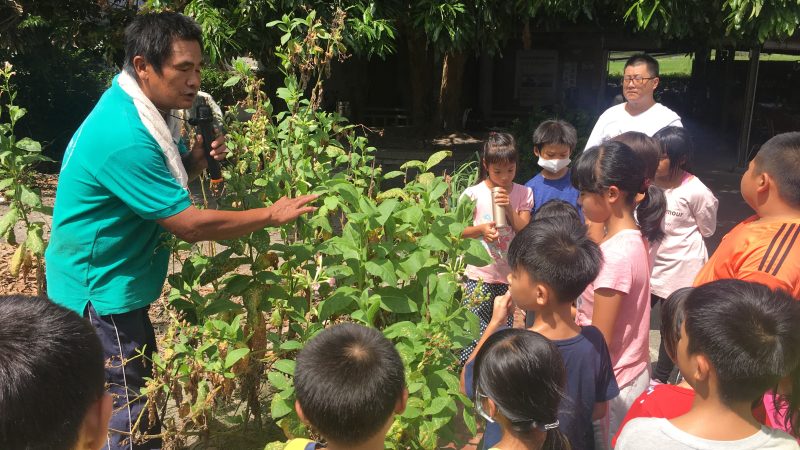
point(652, 434)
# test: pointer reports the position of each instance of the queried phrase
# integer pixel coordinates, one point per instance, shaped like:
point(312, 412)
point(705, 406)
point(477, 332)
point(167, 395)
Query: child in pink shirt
point(609, 177)
point(498, 168)
point(691, 216)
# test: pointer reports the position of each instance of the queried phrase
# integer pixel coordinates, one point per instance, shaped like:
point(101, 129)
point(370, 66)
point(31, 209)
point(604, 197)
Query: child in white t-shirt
point(738, 340)
point(691, 216)
point(498, 168)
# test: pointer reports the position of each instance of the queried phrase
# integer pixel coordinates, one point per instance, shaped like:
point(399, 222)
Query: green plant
point(18, 158)
point(390, 259)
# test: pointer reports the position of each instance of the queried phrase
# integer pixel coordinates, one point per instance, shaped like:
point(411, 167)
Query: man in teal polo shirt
point(121, 190)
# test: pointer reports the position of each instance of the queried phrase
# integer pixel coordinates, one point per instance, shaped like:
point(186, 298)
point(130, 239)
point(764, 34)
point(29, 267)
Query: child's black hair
point(677, 146)
point(672, 317)
point(559, 209)
point(646, 147)
point(555, 132)
point(557, 253)
point(348, 380)
point(750, 334)
point(51, 372)
point(523, 373)
point(615, 164)
point(498, 148)
point(780, 158)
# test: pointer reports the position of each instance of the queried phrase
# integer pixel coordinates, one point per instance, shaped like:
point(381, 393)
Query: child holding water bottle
point(502, 208)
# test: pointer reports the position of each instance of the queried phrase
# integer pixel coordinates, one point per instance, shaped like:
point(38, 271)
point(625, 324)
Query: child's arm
point(704, 210)
point(607, 303)
point(600, 410)
point(487, 231)
point(502, 308)
point(519, 219)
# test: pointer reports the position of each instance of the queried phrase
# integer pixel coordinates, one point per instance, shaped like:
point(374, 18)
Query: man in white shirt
point(639, 112)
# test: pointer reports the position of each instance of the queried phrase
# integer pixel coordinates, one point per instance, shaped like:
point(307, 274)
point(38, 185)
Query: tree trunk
point(449, 109)
point(420, 71)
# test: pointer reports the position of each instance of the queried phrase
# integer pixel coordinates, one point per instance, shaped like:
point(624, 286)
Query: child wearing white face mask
point(553, 143)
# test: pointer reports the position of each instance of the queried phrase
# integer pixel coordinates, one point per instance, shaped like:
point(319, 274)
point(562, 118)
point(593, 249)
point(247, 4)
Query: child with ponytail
point(609, 178)
point(519, 382)
point(498, 168)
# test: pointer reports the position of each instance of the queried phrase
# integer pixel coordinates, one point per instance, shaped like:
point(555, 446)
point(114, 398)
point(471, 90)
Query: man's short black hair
point(151, 35)
point(555, 132)
point(750, 334)
point(557, 253)
point(51, 372)
point(780, 158)
point(348, 380)
point(644, 58)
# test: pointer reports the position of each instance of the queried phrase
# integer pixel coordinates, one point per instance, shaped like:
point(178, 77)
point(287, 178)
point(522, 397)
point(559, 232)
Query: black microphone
point(204, 121)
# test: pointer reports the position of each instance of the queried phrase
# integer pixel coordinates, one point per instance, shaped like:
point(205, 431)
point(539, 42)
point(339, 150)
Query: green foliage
point(390, 259)
point(18, 158)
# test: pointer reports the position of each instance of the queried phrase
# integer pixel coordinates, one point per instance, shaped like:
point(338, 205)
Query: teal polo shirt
point(105, 245)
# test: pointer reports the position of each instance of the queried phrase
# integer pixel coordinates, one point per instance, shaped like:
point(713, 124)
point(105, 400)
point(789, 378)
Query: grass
point(681, 64)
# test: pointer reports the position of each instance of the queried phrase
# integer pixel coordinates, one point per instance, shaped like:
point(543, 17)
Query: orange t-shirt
point(763, 252)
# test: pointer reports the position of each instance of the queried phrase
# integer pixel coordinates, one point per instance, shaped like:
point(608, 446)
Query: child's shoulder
point(536, 180)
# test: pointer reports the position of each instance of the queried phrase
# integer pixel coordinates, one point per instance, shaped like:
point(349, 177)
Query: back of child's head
point(498, 148)
point(523, 373)
point(615, 164)
point(672, 317)
point(780, 158)
point(748, 332)
point(558, 209)
point(646, 147)
point(677, 146)
point(555, 132)
point(51, 373)
point(348, 380)
point(557, 253)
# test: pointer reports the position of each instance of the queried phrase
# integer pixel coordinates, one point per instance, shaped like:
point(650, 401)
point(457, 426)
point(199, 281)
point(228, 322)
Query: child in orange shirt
point(765, 248)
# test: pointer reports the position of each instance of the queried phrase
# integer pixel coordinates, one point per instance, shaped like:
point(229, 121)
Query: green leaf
point(234, 356)
point(280, 406)
point(9, 220)
point(29, 145)
point(436, 158)
point(221, 305)
point(413, 164)
point(476, 254)
point(278, 380)
point(396, 300)
point(383, 269)
point(29, 197)
point(15, 112)
point(5, 183)
point(284, 365)
point(34, 241)
point(291, 345)
point(415, 261)
point(434, 242)
point(437, 405)
point(393, 174)
point(232, 81)
point(336, 303)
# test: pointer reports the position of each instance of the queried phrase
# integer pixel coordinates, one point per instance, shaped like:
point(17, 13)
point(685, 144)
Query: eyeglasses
point(637, 79)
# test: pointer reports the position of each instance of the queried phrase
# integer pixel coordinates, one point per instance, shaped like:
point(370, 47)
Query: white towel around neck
point(166, 133)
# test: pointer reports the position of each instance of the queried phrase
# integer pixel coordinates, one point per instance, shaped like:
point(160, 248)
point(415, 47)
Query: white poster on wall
point(536, 75)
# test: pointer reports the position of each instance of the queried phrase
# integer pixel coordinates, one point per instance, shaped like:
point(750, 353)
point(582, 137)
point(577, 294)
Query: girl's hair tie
point(551, 426)
point(646, 185)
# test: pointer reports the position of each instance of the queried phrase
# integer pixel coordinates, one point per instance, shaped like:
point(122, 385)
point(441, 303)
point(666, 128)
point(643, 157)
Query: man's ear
point(299, 410)
point(537, 152)
point(93, 434)
point(141, 67)
point(402, 402)
point(656, 80)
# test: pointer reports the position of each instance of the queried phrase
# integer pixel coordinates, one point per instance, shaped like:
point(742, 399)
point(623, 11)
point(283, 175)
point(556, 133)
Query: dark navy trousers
point(128, 343)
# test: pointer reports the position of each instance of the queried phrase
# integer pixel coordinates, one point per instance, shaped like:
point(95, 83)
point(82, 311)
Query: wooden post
point(749, 102)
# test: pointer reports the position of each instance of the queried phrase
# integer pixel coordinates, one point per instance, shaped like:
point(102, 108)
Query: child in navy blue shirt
point(553, 143)
point(552, 261)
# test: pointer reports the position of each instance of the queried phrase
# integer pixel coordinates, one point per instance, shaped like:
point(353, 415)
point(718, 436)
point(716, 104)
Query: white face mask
point(553, 165)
